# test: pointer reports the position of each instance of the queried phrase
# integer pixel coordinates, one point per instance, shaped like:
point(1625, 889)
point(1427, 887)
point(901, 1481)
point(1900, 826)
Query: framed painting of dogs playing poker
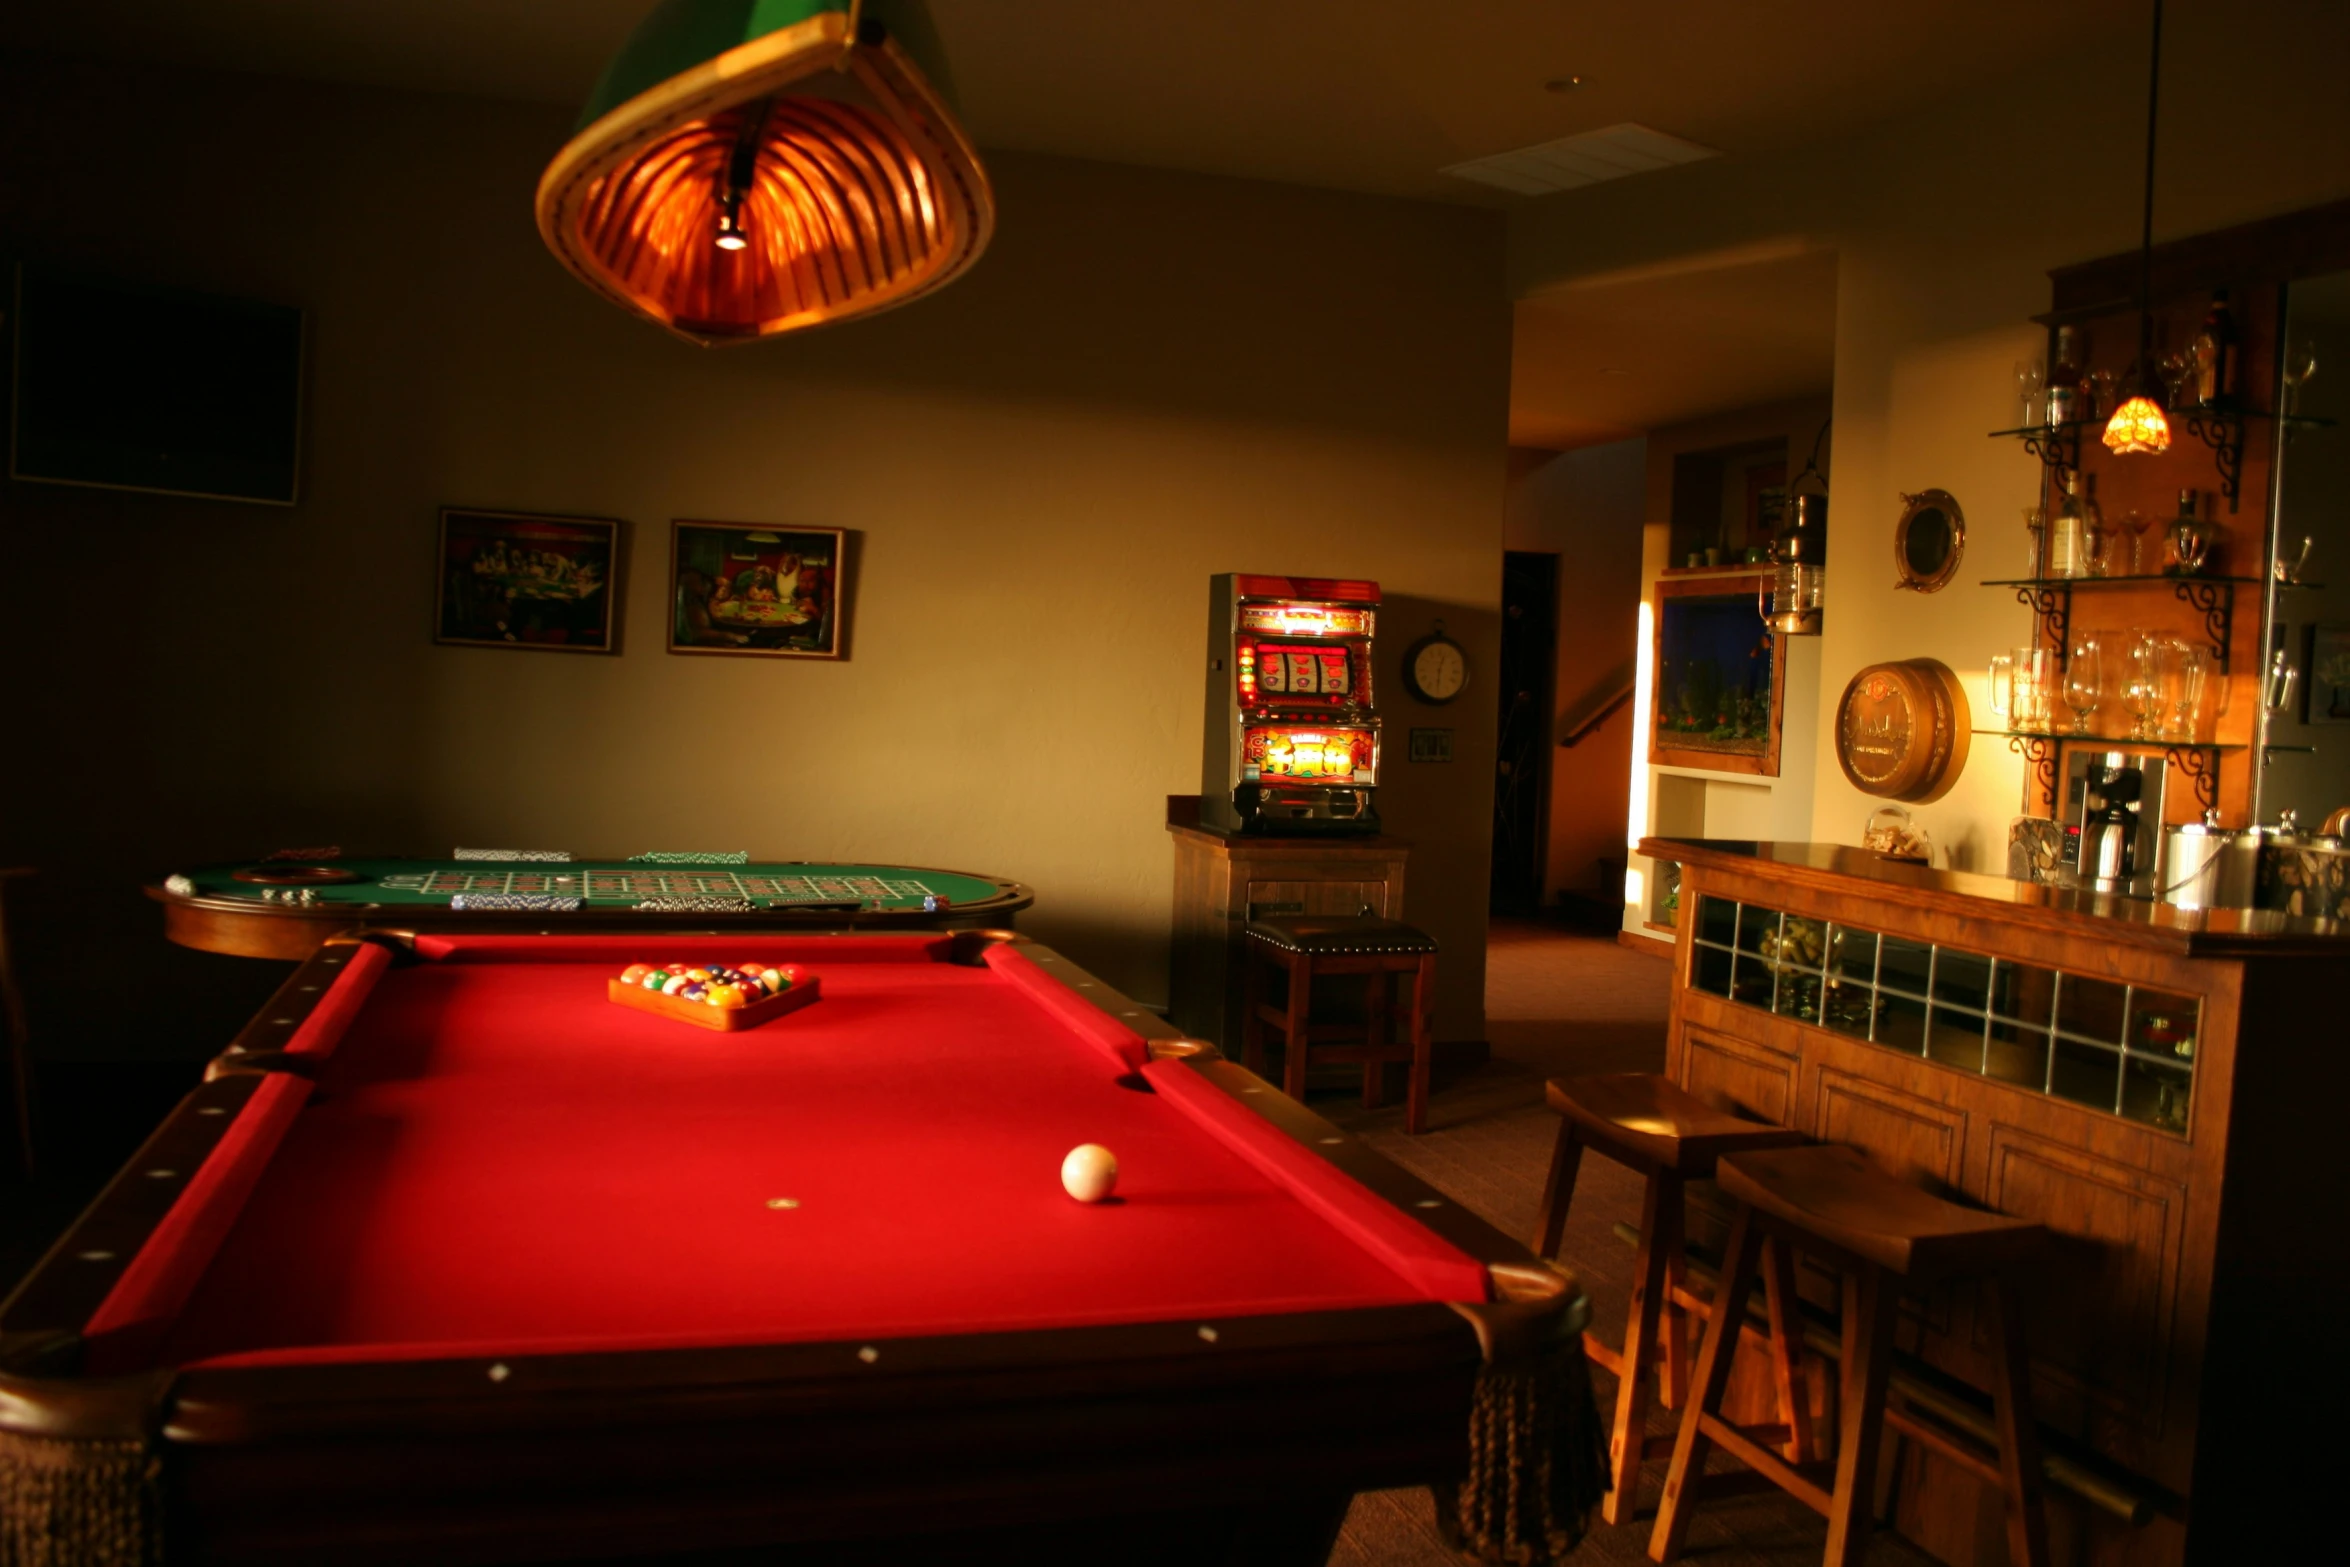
point(520, 580)
point(737, 588)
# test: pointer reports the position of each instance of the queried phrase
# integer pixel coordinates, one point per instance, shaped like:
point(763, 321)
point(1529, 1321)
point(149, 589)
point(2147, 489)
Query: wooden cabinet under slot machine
point(1292, 733)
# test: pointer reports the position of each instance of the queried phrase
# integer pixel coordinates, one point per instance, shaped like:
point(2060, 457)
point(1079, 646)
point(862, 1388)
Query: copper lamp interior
point(809, 175)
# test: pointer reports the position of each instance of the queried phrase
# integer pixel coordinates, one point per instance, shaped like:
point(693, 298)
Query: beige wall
point(1585, 507)
point(1152, 377)
point(1945, 225)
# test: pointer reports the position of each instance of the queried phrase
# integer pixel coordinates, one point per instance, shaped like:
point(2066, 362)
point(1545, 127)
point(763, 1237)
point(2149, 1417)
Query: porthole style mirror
point(1928, 541)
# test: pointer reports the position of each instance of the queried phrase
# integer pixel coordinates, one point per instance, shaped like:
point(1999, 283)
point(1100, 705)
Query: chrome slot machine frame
point(1323, 628)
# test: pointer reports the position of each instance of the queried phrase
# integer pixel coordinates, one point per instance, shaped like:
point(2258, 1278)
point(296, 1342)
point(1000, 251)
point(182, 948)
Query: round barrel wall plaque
point(1901, 730)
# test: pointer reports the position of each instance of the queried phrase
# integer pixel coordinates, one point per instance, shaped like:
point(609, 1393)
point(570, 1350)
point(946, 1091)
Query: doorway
point(1521, 783)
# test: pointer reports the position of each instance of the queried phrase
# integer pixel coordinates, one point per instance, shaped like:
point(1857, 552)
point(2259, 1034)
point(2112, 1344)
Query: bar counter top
point(2138, 922)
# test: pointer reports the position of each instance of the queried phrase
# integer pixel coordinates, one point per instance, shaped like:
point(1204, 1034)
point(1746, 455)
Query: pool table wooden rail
point(637, 1449)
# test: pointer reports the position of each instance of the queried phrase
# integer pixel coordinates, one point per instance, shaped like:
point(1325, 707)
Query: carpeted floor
point(1560, 1004)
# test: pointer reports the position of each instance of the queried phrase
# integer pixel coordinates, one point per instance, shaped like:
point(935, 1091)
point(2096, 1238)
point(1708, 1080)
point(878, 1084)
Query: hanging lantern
point(2139, 427)
point(750, 167)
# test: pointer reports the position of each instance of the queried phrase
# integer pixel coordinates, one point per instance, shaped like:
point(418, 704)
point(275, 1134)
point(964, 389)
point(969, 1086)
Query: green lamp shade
point(750, 167)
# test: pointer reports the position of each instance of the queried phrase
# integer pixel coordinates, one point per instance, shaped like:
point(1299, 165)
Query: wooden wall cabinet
point(1224, 880)
point(2162, 1089)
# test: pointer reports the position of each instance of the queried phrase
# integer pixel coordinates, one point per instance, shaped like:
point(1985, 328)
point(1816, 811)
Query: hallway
point(1559, 1004)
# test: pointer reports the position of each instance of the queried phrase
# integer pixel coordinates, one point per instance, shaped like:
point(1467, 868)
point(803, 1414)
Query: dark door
point(1521, 784)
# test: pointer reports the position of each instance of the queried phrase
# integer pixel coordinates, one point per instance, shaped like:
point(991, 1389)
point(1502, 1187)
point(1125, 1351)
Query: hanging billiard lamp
point(750, 167)
point(2138, 427)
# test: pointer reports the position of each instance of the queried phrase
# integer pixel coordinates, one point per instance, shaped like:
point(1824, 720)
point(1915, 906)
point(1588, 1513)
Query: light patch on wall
point(1643, 687)
point(1610, 153)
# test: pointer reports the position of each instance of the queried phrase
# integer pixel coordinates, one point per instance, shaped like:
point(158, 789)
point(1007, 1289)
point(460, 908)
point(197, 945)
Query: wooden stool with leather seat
point(1310, 945)
point(1669, 1135)
point(1650, 1124)
point(1833, 1205)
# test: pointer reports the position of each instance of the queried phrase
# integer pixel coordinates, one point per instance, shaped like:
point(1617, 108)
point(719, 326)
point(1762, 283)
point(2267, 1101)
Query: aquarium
point(1715, 691)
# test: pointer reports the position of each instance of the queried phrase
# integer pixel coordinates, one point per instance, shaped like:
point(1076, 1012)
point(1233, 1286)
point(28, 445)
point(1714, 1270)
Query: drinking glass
point(2175, 369)
point(2135, 523)
point(2107, 383)
point(2142, 688)
point(2289, 572)
point(2300, 365)
point(2029, 377)
point(2084, 682)
point(2186, 671)
point(2036, 535)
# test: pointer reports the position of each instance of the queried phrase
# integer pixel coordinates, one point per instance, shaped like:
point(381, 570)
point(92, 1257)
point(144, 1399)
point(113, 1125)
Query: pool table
point(451, 1259)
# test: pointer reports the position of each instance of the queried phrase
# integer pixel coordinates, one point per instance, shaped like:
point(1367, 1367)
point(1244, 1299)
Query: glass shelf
point(2238, 415)
point(2173, 577)
point(2149, 576)
point(2116, 742)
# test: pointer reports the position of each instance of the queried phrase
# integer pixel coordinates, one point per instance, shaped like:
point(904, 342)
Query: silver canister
point(2195, 859)
point(2307, 875)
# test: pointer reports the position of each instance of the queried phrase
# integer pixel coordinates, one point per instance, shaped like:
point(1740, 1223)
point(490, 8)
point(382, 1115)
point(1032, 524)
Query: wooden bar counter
point(2167, 1091)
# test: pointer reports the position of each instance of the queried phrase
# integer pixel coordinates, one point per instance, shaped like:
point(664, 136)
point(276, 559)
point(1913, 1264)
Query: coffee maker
point(2113, 819)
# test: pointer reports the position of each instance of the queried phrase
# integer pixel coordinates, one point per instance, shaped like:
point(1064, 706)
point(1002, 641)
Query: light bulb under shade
point(2138, 428)
point(862, 193)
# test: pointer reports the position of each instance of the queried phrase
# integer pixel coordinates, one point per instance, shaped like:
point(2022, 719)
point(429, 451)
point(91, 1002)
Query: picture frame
point(2328, 695)
point(760, 590)
point(530, 581)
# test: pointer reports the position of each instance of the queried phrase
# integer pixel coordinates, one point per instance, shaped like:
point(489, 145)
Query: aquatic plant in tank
point(1713, 680)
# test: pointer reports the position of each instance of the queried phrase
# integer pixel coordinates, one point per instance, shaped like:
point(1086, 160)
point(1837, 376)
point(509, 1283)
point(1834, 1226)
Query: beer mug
point(2023, 684)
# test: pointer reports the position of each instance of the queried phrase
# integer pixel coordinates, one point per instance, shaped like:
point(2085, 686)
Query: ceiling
point(1365, 95)
point(1613, 357)
point(1369, 95)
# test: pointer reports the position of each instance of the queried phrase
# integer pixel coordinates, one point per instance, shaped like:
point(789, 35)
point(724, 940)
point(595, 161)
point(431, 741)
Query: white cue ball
point(1089, 1172)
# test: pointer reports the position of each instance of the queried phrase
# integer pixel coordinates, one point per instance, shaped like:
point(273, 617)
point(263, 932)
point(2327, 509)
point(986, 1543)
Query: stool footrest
point(1967, 1455)
point(1802, 1483)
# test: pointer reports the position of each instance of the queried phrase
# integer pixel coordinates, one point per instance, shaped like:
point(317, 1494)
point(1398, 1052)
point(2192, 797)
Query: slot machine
point(1292, 727)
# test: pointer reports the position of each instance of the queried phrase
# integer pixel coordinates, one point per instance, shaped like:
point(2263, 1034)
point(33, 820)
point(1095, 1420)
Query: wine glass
point(2084, 682)
point(2300, 365)
point(2135, 523)
point(2029, 377)
point(2175, 369)
point(2107, 383)
point(2142, 691)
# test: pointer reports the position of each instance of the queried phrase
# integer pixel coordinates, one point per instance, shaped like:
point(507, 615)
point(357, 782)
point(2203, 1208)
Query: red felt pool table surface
point(495, 1159)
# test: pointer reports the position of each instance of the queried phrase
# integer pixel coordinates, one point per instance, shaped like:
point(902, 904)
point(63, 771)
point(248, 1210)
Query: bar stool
point(1880, 1233)
point(1650, 1124)
point(1307, 945)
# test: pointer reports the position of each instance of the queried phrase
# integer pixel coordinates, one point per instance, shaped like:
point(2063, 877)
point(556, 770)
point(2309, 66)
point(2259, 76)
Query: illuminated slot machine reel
point(1292, 735)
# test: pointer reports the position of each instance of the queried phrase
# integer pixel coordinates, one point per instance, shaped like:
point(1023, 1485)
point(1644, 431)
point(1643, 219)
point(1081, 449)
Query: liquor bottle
point(2068, 542)
point(2064, 377)
point(2096, 552)
point(2214, 354)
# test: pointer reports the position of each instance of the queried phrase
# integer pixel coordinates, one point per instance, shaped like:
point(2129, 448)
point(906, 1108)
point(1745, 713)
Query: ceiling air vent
point(1606, 154)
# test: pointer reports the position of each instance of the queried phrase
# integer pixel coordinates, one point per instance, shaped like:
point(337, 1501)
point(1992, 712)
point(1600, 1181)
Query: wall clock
point(1435, 668)
point(1901, 730)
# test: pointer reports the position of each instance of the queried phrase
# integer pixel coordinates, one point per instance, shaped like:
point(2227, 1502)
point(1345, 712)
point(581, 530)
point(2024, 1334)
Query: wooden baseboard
point(1648, 944)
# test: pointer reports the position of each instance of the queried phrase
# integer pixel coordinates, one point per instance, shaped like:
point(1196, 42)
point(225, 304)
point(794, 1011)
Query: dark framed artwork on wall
point(2329, 675)
point(776, 592)
point(525, 580)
